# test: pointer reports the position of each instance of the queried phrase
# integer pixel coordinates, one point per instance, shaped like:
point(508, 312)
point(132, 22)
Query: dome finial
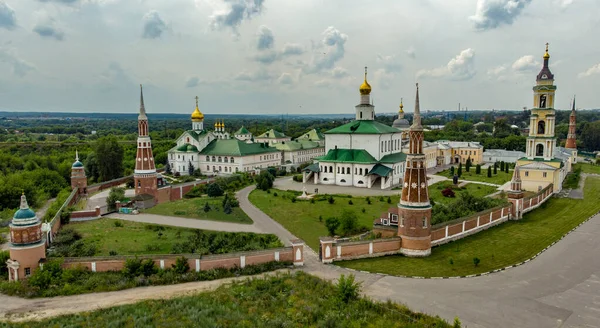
point(24, 204)
point(546, 55)
point(365, 88)
point(197, 115)
point(401, 106)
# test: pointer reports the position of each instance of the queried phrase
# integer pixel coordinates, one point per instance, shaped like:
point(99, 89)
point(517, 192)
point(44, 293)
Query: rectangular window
point(545, 174)
point(402, 222)
point(526, 173)
point(394, 218)
point(27, 272)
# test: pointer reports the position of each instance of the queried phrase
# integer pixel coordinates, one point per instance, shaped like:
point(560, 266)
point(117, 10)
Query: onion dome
point(24, 213)
point(365, 87)
point(197, 115)
point(77, 163)
point(401, 123)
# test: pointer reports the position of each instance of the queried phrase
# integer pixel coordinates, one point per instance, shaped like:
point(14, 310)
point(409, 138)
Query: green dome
point(188, 148)
point(77, 164)
point(24, 214)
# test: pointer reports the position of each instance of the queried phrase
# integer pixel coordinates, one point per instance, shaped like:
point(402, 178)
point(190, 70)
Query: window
point(27, 272)
point(424, 222)
point(338, 170)
point(360, 114)
point(208, 158)
point(526, 173)
point(402, 221)
point(220, 169)
point(539, 150)
point(545, 174)
point(384, 221)
point(226, 159)
point(360, 171)
point(348, 170)
point(214, 159)
point(330, 169)
point(231, 160)
point(139, 184)
point(394, 218)
point(208, 167)
point(541, 127)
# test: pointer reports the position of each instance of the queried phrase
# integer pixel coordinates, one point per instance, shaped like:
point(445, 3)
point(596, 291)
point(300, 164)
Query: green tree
point(115, 194)
point(468, 164)
point(92, 169)
point(214, 190)
point(459, 171)
point(264, 181)
point(478, 169)
point(4, 256)
point(451, 171)
point(502, 166)
point(506, 167)
point(348, 222)
point(495, 168)
point(206, 207)
point(181, 265)
point(332, 224)
point(110, 164)
point(489, 174)
point(168, 168)
point(347, 288)
point(191, 168)
point(590, 136)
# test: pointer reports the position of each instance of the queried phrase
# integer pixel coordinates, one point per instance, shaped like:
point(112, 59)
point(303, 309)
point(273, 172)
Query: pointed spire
point(417, 115)
point(76, 156)
point(142, 108)
point(573, 108)
point(24, 204)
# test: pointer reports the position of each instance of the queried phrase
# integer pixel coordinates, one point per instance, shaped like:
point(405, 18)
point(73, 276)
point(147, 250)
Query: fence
point(336, 250)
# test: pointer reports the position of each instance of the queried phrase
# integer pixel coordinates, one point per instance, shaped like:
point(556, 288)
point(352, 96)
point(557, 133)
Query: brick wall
point(197, 263)
point(532, 202)
point(332, 250)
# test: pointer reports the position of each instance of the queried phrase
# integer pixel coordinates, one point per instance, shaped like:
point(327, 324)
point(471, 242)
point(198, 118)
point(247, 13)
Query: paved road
point(186, 223)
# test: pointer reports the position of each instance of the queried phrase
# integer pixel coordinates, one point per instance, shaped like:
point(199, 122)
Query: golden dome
point(197, 115)
point(546, 55)
point(365, 88)
point(401, 107)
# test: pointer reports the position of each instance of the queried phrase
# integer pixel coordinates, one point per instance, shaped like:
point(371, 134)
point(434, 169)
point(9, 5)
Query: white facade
point(378, 145)
point(210, 164)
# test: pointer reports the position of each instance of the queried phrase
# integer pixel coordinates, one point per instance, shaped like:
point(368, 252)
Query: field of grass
point(194, 208)
point(499, 178)
point(302, 217)
point(477, 190)
point(131, 238)
point(589, 168)
point(283, 300)
point(506, 244)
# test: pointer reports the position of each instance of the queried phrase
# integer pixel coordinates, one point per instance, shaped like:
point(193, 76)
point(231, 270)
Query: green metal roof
point(235, 147)
point(272, 134)
point(295, 145)
point(393, 158)
point(26, 213)
point(242, 130)
point(363, 127)
point(537, 159)
point(380, 170)
point(312, 168)
point(187, 148)
point(340, 155)
point(77, 164)
point(312, 135)
point(197, 134)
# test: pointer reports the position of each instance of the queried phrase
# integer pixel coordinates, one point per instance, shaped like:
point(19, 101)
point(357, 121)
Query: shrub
point(264, 181)
point(389, 200)
point(214, 190)
point(275, 194)
point(451, 171)
point(495, 168)
point(112, 253)
point(332, 224)
point(133, 267)
point(489, 173)
point(206, 208)
point(468, 164)
point(148, 267)
point(363, 210)
point(502, 166)
point(459, 171)
point(196, 191)
point(348, 222)
point(448, 192)
point(368, 200)
point(350, 202)
point(320, 218)
point(181, 265)
point(297, 178)
point(65, 216)
point(451, 261)
point(476, 261)
point(347, 289)
point(4, 256)
point(152, 247)
point(331, 200)
point(227, 208)
point(381, 198)
point(294, 199)
point(478, 169)
point(118, 224)
point(115, 194)
point(312, 200)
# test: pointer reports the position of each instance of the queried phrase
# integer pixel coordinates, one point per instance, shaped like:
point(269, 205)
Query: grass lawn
point(589, 168)
point(506, 244)
point(194, 208)
point(477, 190)
point(283, 300)
point(132, 238)
point(499, 178)
point(302, 218)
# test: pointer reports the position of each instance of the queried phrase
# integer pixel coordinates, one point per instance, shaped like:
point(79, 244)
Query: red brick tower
point(78, 178)
point(414, 207)
point(515, 194)
point(27, 246)
point(145, 175)
point(571, 137)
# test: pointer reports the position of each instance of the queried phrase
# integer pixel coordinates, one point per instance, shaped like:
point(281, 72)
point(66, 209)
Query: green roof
point(544, 87)
point(295, 145)
point(312, 168)
point(363, 127)
point(380, 170)
point(393, 158)
point(537, 159)
point(242, 130)
point(77, 164)
point(25, 213)
point(187, 148)
point(197, 134)
point(272, 134)
point(235, 147)
point(340, 155)
point(312, 135)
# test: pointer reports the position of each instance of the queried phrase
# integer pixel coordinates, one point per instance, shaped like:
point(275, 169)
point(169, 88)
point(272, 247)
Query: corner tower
point(27, 246)
point(78, 177)
point(144, 175)
point(572, 137)
point(414, 208)
point(365, 111)
point(541, 141)
point(197, 118)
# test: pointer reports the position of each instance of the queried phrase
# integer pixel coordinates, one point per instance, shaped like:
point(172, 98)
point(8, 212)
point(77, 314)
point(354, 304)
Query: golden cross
point(547, 46)
point(196, 101)
point(365, 73)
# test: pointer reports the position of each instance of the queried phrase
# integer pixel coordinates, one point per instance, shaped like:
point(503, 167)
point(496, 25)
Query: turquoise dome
point(77, 164)
point(26, 213)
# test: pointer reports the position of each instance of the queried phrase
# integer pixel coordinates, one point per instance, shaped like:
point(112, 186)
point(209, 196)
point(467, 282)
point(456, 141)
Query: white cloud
point(461, 67)
point(590, 71)
point(258, 75)
point(285, 78)
point(390, 63)
point(47, 27)
point(526, 64)
point(8, 18)
point(491, 14)
point(329, 51)
point(383, 78)
point(410, 52)
point(271, 56)
point(154, 25)
point(290, 49)
point(339, 72)
point(20, 67)
point(192, 82)
point(233, 12)
point(264, 38)
point(563, 4)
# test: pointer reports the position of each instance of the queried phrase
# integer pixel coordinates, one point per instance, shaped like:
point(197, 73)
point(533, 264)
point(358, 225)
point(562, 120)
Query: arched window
point(220, 159)
point(541, 127)
point(539, 150)
point(214, 159)
point(360, 171)
point(424, 222)
point(208, 158)
point(231, 160)
point(226, 159)
point(543, 101)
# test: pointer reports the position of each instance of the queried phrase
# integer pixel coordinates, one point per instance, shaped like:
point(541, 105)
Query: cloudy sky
point(291, 56)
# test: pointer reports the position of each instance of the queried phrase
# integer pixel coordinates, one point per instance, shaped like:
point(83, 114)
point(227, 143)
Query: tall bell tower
point(541, 141)
point(145, 176)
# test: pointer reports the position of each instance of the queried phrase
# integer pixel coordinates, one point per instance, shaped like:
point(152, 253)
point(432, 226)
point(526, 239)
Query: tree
point(181, 265)
point(451, 171)
point(459, 171)
point(214, 190)
point(115, 194)
point(264, 181)
point(168, 168)
point(332, 224)
point(110, 164)
point(227, 207)
point(91, 167)
point(348, 222)
point(489, 175)
point(191, 168)
point(506, 167)
point(495, 168)
point(478, 169)
point(206, 207)
point(331, 200)
point(468, 164)
point(590, 136)
point(476, 261)
point(347, 289)
point(501, 166)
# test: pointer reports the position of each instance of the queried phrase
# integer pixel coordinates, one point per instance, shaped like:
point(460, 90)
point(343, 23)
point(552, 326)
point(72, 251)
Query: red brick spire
point(145, 170)
point(571, 137)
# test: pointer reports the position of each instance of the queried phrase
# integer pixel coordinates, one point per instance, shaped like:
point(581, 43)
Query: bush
point(347, 289)
point(196, 191)
point(448, 192)
point(451, 171)
point(275, 194)
point(476, 261)
point(502, 166)
point(489, 173)
point(294, 199)
point(264, 181)
point(368, 200)
point(332, 224)
point(468, 164)
point(4, 256)
point(478, 169)
point(214, 190)
point(133, 267)
point(148, 267)
point(206, 207)
point(495, 168)
point(389, 200)
point(112, 253)
point(118, 224)
point(350, 202)
point(331, 200)
point(297, 177)
point(459, 171)
point(348, 222)
point(115, 194)
point(181, 265)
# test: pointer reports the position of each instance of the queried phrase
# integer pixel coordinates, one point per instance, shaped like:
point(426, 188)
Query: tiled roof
point(272, 134)
point(363, 127)
point(393, 158)
point(242, 130)
point(235, 147)
point(295, 145)
point(312, 135)
point(312, 168)
point(340, 155)
point(197, 134)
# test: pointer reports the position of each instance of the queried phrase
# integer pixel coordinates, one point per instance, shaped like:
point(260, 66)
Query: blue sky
point(290, 56)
